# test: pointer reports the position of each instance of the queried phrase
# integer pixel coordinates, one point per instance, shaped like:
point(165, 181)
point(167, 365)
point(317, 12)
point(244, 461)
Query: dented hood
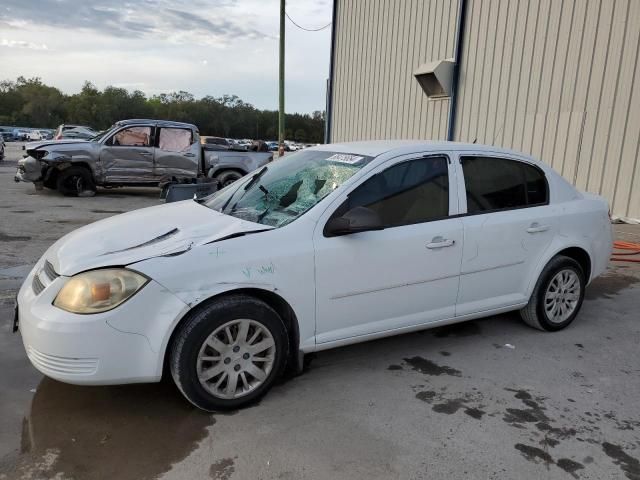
point(55, 143)
point(168, 229)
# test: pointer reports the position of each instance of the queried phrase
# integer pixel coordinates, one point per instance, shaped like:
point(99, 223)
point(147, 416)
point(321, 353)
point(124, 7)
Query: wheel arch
point(579, 253)
point(61, 167)
point(271, 298)
point(217, 170)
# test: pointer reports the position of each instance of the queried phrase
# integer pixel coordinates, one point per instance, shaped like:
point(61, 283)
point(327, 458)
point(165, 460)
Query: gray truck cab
point(137, 152)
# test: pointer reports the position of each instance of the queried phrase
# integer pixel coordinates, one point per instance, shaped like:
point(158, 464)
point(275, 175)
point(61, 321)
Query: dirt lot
point(484, 399)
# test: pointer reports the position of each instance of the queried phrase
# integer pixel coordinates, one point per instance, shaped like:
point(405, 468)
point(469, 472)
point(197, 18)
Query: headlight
point(99, 290)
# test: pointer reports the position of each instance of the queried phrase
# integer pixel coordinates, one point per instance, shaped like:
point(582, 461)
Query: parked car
point(62, 131)
point(21, 134)
point(35, 135)
point(80, 133)
point(132, 152)
point(215, 143)
point(329, 246)
point(8, 135)
point(47, 134)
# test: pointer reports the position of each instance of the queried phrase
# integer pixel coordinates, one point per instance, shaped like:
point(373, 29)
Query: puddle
point(13, 238)
point(129, 432)
point(428, 367)
point(607, 286)
point(73, 221)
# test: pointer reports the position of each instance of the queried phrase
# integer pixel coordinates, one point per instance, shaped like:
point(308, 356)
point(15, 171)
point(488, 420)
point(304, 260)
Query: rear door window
point(502, 184)
point(175, 139)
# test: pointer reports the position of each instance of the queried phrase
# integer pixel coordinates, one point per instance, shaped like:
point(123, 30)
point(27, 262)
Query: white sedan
point(333, 245)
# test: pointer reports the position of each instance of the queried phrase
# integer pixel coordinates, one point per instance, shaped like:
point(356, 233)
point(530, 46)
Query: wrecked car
point(131, 153)
point(329, 246)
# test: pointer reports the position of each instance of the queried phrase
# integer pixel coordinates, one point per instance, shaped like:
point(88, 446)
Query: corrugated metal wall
point(553, 78)
point(556, 79)
point(378, 45)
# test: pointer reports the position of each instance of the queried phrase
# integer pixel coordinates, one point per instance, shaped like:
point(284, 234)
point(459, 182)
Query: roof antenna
point(475, 140)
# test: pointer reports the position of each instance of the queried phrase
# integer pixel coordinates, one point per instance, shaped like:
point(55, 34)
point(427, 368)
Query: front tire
point(557, 296)
point(227, 177)
point(75, 182)
point(228, 354)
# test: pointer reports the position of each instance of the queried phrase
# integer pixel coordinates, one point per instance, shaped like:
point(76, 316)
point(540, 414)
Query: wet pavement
point(491, 398)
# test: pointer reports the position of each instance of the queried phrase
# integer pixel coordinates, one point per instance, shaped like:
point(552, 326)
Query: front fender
point(56, 158)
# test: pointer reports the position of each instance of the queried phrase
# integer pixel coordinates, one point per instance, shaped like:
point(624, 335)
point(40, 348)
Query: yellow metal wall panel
point(378, 45)
point(553, 78)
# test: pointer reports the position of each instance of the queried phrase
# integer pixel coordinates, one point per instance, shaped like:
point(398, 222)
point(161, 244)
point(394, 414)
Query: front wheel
point(229, 353)
point(557, 296)
point(75, 182)
point(227, 177)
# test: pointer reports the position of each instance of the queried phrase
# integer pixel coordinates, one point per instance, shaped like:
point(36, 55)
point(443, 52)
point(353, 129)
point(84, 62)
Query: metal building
point(554, 78)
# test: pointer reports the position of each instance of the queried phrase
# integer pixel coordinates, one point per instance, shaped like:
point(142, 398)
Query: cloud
point(4, 42)
point(159, 46)
point(174, 20)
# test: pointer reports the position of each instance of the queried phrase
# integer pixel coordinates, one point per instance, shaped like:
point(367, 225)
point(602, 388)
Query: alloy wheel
point(562, 296)
point(236, 358)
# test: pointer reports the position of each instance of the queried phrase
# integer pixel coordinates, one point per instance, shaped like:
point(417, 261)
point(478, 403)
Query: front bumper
point(29, 170)
point(123, 345)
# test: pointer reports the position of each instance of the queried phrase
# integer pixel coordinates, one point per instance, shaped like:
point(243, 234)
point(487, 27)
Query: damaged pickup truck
point(132, 153)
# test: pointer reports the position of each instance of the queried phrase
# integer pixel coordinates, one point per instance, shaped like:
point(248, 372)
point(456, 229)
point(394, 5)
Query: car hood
point(55, 143)
point(131, 237)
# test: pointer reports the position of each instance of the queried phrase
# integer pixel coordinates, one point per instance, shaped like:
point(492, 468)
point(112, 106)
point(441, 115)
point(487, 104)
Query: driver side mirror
point(358, 219)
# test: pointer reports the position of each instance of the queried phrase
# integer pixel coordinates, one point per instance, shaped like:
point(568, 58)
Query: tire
point(75, 181)
point(206, 329)
point(227, 177)
point(557, 311)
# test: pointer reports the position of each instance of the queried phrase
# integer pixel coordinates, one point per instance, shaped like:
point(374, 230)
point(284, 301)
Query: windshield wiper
point(255, 177)
point(249, 184)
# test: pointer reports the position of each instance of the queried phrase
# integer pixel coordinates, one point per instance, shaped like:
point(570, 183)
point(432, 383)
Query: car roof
point(374, 148)
point(161, 123)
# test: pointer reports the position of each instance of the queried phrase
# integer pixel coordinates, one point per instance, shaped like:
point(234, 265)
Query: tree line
point(28, 102)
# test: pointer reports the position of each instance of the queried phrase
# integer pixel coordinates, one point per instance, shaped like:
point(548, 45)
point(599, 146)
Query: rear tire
point(557, 296)
point(75, 181)
point(215, 360)
point(227, 177)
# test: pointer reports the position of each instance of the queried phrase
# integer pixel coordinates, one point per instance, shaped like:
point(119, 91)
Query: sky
point(206, 47)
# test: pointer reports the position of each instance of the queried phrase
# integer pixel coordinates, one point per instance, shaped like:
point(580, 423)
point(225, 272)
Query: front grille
point(37, 285)
point(64, 365)
point(50, 271)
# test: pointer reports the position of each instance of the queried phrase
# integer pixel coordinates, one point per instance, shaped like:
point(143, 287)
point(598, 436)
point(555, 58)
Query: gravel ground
point(484, 399)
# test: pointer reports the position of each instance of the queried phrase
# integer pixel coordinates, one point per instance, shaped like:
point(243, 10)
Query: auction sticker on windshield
point(345, 158)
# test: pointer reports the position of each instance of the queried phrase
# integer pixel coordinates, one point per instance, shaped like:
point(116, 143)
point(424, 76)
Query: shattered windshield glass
point(281, 191)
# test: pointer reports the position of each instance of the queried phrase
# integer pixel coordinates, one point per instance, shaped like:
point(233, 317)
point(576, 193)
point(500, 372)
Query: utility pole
point(281, 104)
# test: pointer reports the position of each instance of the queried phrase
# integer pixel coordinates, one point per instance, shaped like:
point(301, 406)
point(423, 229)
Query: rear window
point(502, 184)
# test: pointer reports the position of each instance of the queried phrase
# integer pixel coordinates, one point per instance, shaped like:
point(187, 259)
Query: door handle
point(189, 154)
point(439, 242)
point(146, 154)
point(535, 227)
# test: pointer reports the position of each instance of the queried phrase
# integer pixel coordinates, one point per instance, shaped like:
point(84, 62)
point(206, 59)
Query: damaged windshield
point(282, 191)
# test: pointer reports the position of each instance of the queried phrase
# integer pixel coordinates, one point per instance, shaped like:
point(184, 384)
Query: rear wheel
point(229, 353)
point(557, 296)
point(227, 177)
point(75, 182)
